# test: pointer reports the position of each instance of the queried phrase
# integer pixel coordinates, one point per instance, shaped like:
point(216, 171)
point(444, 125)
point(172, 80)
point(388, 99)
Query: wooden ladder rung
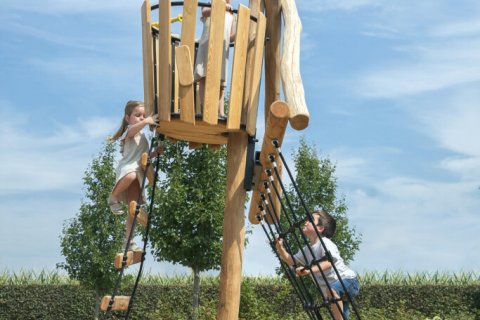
point(133, 257)
point(142, 216)
point(120, 303)
point(143, 164)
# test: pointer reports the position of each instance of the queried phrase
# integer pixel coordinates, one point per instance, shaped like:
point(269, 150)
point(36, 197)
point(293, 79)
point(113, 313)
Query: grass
point(26, 277)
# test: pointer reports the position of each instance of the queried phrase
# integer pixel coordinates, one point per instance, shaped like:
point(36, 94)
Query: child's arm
point(324, 265)
point(282, 252)
point(233, 30)
point(134, 129)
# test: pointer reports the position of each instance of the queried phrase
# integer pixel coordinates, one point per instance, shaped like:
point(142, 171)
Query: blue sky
point(392, 90)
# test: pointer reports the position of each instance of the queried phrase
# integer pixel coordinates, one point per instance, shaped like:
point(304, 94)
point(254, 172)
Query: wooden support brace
point(164, 61)
point(142, 216)
point(133, 257)
point(120, 303)
point(275, 130)
point(143, 165)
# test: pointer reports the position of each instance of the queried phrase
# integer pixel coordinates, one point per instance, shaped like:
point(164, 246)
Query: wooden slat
point(185, 77)
point(256, 76)
point(176, 90)
point(188, 26)
point(195, 137)
point(133, 257)
point(254, 6)
point(120, 303)
point(275, 129)
point(214, 62)
point(142, 216)
point(238, 68)
point(164, 62)
point(147, 50)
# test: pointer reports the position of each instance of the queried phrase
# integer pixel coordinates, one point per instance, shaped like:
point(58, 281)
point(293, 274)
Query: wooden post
point(164, 62)
point(290, 67)
point(233, 229)
point(272, 54)
point(147, 48)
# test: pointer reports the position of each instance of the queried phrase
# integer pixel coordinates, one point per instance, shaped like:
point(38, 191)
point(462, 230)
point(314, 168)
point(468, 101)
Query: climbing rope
point(294, 232)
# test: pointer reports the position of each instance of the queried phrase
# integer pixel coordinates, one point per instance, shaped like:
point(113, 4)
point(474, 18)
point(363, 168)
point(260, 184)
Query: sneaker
point(115, 206)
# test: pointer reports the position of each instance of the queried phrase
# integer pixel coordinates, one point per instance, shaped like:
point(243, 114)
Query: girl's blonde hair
point(129, 107)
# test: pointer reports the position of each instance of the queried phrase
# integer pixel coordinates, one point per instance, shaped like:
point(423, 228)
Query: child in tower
point(201, 59)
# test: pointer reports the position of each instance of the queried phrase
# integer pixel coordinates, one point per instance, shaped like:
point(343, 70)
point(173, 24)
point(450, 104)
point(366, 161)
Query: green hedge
point(258, 301)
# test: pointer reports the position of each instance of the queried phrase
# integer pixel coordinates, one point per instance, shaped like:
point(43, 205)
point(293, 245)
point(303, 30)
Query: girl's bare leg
point(132, 195)
point(123, 184)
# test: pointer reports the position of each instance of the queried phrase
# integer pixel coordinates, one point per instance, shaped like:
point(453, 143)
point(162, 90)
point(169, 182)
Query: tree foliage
point(188, 222)
point(90, 240)
point(317, 184)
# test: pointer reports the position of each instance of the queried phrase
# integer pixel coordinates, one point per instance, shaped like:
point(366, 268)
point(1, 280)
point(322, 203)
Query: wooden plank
point(256, 76)
point(195, 137)
point(272, 53)
point(290, 67)
point(188, 27)
point(254, 11)
point(133, 257)
point(238, 68)
point(120, 303)
point(143, 165)
point(164, 62)
point(275, 129)
point(142, 216)
point(214, 63)
point(147, 53)
point(185, 78)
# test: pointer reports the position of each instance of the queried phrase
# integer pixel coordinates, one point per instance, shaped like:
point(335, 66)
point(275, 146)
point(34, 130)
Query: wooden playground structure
point(171, 92)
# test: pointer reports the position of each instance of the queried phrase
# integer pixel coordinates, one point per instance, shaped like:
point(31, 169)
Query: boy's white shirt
point(319, 252)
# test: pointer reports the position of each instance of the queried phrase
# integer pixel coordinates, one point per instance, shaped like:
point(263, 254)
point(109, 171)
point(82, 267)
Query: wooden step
point(120, 303)
point(133, 257)
point(142, 216)
point(143, 164)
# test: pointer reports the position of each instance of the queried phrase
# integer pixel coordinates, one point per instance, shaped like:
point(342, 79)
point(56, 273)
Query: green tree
point(188, 222)
point(90, 240)
point(317, 184)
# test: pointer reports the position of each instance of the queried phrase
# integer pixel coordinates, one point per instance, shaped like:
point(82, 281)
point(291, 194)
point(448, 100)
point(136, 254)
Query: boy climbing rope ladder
point(325, 224)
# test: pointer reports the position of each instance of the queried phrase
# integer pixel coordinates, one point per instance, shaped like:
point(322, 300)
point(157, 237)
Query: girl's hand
point(228, 7)
point(279, 244)
point(157, 152)
point(302, 271)
point(152, 120)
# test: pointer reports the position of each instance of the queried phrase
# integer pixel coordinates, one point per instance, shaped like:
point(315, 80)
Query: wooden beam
point(147, 51)
point(142, 216)
point(120, 303)
point(133, 257)
point(275, 130)
point(272, 53)
point(164, 62)
point(233, 229)
point(238, 68)
point(214, 62)
point(188, 27)
point(290, 67)
point(256, 75)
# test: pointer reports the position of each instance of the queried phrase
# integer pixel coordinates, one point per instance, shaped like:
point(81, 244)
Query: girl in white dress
point(201, 59)
point(129, 174)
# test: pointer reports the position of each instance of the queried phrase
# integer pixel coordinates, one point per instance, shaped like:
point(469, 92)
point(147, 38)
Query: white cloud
point(50, 161)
